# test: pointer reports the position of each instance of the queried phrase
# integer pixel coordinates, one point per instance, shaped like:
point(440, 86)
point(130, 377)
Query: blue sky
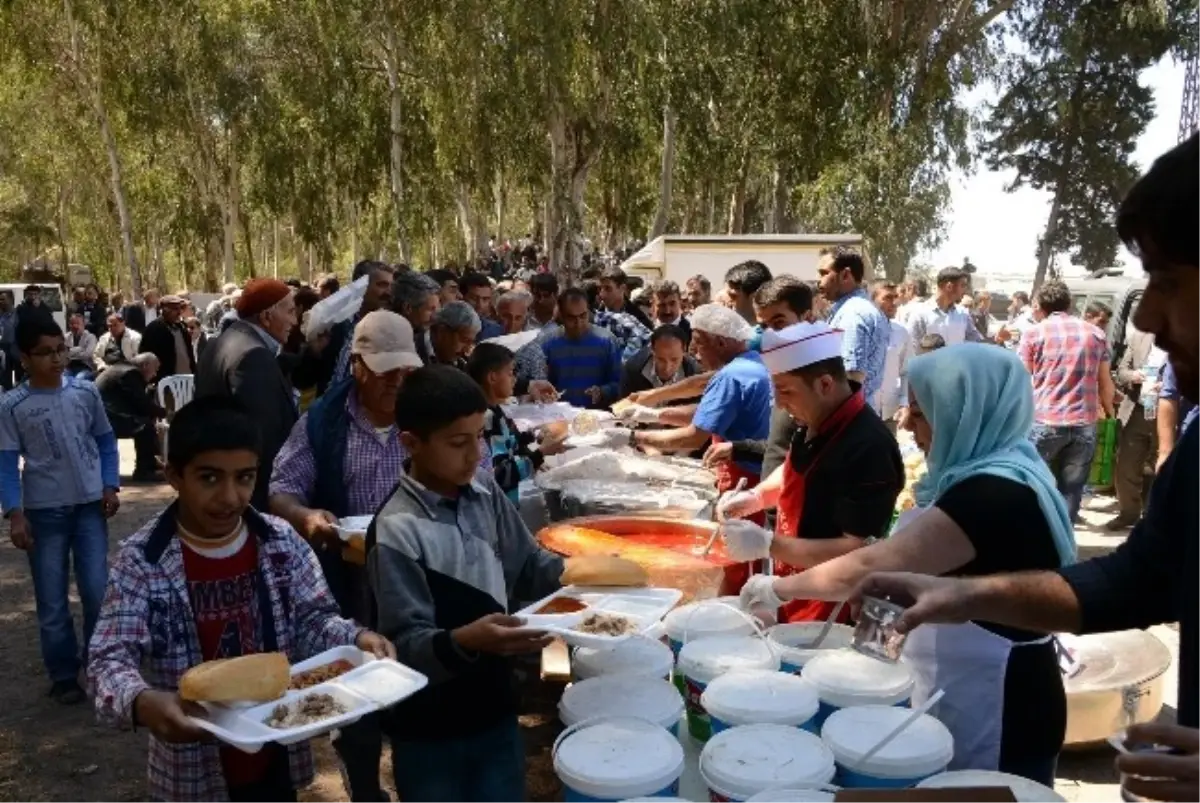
point(999, 230)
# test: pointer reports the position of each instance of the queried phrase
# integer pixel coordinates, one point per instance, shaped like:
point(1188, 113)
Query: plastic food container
point(809, 794)
point(648, 698)
point(875, 635)
point(742, 762)
point(845, 678)
point(617, 758)
point(924, 749)
point(705, 619)
point(1023, 789)
point(637, 655)
point(703, 660)
point(759, 697)
point(789, 639)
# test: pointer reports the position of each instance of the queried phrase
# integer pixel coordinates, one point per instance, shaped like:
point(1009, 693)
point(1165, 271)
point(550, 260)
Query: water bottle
point(1149, 394)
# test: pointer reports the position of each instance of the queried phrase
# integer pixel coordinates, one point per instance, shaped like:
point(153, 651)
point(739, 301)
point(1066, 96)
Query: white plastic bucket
point(636, 655)
point(759, 697)
point(705, 619)
point(809, 794)
point(703, 660)
point(616, 758)
point(648, 698)
point(846, 678)
point(742, 762)
point(789, 637)
point(924, 749)
point(1023, 789)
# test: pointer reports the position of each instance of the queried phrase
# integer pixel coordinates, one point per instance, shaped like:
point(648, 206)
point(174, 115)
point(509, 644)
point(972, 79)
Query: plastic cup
point(875, 634)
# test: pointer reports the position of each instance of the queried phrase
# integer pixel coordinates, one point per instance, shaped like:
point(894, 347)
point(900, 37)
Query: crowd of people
point(792, 391)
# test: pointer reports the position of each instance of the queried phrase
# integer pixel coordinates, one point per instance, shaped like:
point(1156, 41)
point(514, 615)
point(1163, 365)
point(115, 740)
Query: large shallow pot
point(1120, 684)
point(697, 578)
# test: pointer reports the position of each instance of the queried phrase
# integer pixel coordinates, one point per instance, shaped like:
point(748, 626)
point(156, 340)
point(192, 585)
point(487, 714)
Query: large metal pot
point(697, 578)
point(1120, 683)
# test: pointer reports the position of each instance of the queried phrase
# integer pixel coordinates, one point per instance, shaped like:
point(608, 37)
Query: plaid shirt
point(627, 330)
point(371, 468)
point(146, 638)
point(1063, 355)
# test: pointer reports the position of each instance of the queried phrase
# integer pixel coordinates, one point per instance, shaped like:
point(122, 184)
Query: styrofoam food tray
point(374, 684)
point(351, 526)
point(645, 606)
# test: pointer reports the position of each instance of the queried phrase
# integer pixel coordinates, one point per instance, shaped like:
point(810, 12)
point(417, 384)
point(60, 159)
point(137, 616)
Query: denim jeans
point(486, 766)
point(1068, 451)
point(58, 533)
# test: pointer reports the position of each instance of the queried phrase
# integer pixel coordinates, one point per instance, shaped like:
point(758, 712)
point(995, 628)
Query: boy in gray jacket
point(445, 554)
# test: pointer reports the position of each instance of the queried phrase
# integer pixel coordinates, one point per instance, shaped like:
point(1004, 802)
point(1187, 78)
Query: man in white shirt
point(892, 402)
point(911, 296)
point(1020, 318)
point(942, 315)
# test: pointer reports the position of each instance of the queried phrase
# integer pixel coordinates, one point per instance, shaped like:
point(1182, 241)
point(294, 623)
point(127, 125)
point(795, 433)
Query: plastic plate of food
point(352, 526)
point(590, 616)
point(335, 688)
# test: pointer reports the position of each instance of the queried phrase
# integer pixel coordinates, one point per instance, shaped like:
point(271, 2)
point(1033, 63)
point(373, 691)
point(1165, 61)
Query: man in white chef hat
point(838, 486)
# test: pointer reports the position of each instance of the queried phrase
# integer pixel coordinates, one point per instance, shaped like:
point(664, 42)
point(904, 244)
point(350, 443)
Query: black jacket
point(159, 340)
point(238, 365)
point(634, 381)
point(134, 316)
point(29, 312)
point(95, 317)
point(125, 395)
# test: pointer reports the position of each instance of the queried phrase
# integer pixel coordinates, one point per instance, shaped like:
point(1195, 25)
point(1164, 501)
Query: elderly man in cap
point(243, 364)
point(167, 339)
point(343, 458)
point(838, 486)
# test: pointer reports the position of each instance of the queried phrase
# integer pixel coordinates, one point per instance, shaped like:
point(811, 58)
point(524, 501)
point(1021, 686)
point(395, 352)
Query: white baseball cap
point(384, 340)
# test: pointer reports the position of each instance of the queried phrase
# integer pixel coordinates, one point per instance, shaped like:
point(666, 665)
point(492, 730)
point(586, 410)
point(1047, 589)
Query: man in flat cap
point(242, 364)
point(167, 339)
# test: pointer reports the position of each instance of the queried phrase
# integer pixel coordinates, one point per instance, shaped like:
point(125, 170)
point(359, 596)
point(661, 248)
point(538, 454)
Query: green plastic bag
point(1101, 474)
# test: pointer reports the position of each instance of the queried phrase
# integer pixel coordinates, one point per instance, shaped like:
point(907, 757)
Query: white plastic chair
point(182, 388)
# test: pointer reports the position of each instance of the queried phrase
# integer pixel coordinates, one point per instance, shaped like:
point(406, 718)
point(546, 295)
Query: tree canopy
point(192, 142)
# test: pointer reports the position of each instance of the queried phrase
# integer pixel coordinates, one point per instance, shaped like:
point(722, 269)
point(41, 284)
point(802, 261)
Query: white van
point(52, 297)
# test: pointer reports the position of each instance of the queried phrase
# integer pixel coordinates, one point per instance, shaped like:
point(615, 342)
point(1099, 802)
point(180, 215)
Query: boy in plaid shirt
point(210, 578)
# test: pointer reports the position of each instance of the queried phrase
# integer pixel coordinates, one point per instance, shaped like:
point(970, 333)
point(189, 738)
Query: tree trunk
point(557, 208)
point(275, 249)
point(391, 63)
point(665, 177)
point(248, 238)
point(474, 230)
point(212, 260)
point(1046, 242)
point(737, 199)
point(231, 209)
point(353, 209)
point(781, 190)
point(501, 193)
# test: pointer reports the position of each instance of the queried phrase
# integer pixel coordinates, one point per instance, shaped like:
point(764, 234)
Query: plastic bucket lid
point(1023, 789)
point(636, 655)
point(847, 678)
point(617, 758)
point(648, 698)
point(924, 748)
point(705, 659)
point(706, 618)
point(749, 759)
point(788, 637)
point(759, 696)
point(810, 794)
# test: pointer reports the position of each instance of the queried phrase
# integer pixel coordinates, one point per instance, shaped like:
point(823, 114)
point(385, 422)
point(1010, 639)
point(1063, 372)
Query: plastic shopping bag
point(1101, 474)
point(341, 306)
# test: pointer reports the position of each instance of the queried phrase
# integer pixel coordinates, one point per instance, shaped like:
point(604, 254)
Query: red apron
point(790, 509)
point(729, 474)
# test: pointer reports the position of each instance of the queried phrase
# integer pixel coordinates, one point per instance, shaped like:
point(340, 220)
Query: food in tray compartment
point(308, 709)
point(257, 678)
point(321, 674)
point(605, 624)
point(604, 570)
point(561, 605)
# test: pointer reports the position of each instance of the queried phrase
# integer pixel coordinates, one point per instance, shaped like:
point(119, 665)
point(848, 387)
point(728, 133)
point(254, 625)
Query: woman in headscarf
point(994, 507)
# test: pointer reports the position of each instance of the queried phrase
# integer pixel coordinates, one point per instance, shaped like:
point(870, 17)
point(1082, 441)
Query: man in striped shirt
point(582, 361)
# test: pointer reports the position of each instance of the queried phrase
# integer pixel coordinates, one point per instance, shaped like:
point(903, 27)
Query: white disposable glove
point(641, 414)
point(759, 593)
point(745, 540)
point(738, 504)
point(613, 438)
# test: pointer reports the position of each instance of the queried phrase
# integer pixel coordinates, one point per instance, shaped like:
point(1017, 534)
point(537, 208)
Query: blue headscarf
point(978, 400)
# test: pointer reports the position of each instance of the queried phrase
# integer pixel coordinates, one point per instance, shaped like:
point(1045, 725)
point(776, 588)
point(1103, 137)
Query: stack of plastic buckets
point(704, 660)
point(745, 761)
point(923, 749)
point(647, 698)
point(617, 758)
point(788, 637)
point(845, 678)
point(760, 697)
point(636, 655)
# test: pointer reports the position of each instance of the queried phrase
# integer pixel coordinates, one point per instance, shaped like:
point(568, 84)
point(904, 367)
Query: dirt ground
point(54, 752)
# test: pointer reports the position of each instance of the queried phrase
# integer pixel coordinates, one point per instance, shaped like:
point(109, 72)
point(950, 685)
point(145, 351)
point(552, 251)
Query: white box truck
point(679, 257)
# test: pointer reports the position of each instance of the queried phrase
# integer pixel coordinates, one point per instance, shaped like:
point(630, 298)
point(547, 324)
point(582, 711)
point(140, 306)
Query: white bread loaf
point(257, 678)
point(604, 570)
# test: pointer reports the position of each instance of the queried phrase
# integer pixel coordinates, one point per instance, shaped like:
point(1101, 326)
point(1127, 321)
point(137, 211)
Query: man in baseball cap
point(342, 459)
